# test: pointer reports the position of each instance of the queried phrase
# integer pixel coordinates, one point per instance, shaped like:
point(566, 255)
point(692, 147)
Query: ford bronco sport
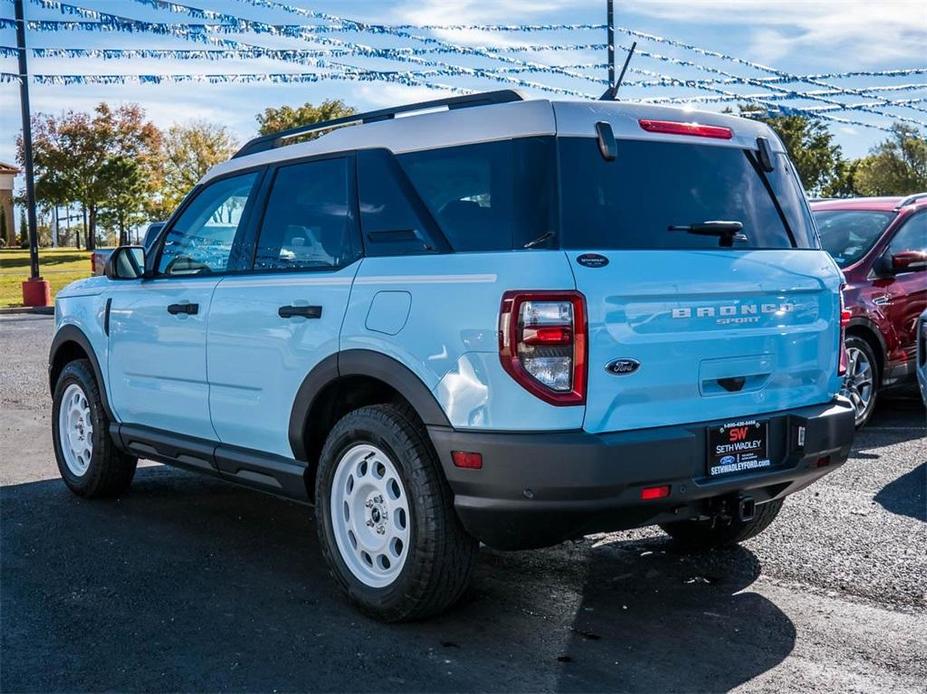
point(511, 322)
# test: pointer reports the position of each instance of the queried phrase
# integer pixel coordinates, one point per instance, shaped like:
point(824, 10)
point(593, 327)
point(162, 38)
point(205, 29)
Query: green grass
point(60, 266)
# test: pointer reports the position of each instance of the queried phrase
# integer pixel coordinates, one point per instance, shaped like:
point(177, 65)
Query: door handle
point(301, 311)
point(189, 309)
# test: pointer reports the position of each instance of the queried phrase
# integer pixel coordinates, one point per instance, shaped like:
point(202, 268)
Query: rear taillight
point(542, 343)
point(672, 127)
point(844, 322)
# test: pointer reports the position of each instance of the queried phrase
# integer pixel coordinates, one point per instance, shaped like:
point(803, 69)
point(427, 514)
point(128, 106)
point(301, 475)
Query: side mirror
point(909, 261)
point(126, 263)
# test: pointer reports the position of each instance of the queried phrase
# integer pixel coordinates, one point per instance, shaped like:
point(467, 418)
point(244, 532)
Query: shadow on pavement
point(906, 495)
point(662, 621)
point(188, 583)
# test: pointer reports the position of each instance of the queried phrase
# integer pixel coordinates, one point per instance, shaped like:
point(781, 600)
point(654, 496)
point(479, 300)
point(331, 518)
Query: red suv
point(881, 245)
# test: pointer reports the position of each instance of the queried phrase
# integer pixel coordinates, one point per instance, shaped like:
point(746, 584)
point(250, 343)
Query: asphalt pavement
point(188, 583)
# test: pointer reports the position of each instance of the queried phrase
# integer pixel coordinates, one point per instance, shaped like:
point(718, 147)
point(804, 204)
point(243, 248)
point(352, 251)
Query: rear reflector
point(651, 493)
point(467, 459)
point(673, 127)
point(824, 461)
point(845, 316)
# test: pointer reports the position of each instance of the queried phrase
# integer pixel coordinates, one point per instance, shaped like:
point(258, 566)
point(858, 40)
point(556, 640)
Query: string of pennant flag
point(335, 48)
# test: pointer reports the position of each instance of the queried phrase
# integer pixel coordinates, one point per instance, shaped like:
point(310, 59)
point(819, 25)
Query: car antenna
point(611, 94)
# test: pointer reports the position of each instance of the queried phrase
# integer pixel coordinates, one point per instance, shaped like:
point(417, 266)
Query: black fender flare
point(360, 362)
point(71, 333)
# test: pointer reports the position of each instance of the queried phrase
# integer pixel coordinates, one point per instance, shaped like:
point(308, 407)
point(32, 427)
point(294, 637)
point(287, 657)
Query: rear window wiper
point(727, 231)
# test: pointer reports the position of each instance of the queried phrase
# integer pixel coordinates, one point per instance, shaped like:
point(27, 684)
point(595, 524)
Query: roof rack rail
point(910, 199)
point(266, 142)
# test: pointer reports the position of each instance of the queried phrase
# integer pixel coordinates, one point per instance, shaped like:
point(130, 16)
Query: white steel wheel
point(860, 380)
point(75, 430)
point(370, 515)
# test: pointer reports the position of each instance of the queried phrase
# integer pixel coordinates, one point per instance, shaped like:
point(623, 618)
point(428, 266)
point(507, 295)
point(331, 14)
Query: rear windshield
point(849, 234)
point(630, 202)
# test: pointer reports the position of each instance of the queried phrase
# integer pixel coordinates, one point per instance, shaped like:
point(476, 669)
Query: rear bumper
point(538, 489)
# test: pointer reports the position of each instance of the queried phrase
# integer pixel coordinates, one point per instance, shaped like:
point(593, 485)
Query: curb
point(36, 310)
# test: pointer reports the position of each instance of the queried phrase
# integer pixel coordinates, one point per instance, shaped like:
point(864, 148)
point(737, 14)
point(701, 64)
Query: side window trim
point(241, 235)
point(262, 200)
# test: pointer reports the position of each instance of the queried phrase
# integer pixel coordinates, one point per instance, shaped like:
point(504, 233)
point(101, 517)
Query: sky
point(794, 36)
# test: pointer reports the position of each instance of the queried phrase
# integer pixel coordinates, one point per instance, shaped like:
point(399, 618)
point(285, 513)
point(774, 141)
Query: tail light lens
point(542, 343)
point(844, 322)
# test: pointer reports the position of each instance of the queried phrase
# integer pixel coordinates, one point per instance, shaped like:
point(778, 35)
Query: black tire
point(701, 535)
point(863, 414)
point(110, 471)
point(441, 555)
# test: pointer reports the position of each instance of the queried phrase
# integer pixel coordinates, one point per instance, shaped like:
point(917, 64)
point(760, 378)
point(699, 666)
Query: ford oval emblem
point(622, 367)
point(592, 260)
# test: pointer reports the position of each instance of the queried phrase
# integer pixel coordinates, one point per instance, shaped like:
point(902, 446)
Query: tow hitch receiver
point(746, 509)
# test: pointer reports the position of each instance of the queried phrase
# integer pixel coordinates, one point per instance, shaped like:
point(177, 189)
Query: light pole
point(36, 291)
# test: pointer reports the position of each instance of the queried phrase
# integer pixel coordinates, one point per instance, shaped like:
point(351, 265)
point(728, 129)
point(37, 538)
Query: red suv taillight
point(542, 343)
point(844, 322)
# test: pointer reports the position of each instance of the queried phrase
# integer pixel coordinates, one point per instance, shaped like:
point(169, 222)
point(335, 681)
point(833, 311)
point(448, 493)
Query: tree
point(897, 166)
point(844, 183)
point(189, 152)
point(76, 154)
point(23, 230)
point(810, 146)
point(124, 207)
point(273, 120)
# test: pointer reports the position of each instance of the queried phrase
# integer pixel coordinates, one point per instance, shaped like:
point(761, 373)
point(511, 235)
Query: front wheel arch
point(70, 344)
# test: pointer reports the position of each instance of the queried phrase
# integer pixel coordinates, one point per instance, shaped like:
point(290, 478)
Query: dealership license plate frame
point(753, 455)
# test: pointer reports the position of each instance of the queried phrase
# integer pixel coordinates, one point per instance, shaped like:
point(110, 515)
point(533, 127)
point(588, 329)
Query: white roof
point(448, 128)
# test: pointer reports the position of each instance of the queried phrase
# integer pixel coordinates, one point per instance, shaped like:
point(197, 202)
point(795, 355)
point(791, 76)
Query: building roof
point(8, 168)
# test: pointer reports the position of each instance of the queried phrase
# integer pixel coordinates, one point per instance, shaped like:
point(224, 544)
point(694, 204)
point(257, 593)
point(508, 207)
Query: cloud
point(871, 32)
point(385, 95)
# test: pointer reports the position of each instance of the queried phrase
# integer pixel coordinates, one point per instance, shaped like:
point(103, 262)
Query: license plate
point(737, 447)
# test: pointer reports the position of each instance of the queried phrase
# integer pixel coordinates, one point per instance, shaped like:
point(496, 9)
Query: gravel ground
point(188, 583)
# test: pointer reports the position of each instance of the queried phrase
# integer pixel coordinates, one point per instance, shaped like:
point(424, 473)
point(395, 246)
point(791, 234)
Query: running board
point(266, 472)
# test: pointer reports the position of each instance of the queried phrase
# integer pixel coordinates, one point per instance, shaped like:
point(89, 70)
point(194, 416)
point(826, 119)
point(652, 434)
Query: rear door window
point(309, 222)
point(631, 202)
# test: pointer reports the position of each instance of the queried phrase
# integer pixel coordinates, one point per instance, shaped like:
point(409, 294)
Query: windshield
point(633, 201)
point(848, 234)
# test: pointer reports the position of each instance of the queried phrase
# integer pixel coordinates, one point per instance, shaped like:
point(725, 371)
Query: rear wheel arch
point(69, 344)
point(868, 332)
point(348, 381)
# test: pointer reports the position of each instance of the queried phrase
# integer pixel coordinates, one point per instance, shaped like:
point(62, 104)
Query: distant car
point(881, 245)
point(921, 367)
point(99, 256)
point(151, 233)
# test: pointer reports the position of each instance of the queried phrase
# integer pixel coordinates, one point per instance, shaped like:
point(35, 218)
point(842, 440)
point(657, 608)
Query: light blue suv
point(511, 322)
